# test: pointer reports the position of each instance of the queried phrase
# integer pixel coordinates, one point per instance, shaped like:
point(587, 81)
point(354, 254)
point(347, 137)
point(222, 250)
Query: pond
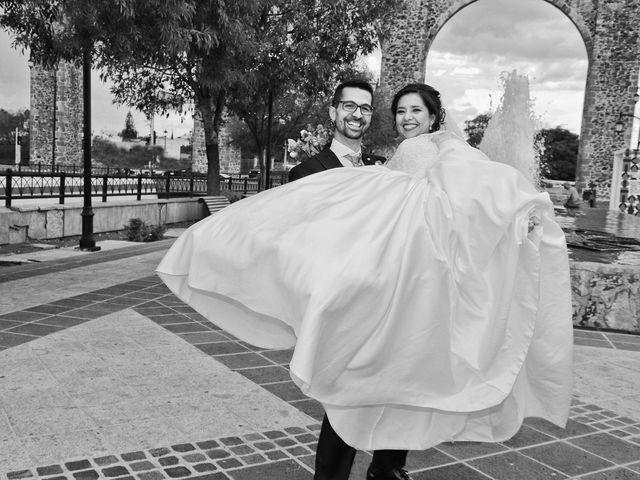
point(601, 235)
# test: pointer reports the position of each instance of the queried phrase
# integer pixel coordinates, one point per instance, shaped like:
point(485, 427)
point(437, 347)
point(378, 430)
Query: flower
point(310, 143)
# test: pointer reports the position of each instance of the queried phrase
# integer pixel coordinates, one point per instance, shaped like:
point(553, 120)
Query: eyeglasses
point(351, 107)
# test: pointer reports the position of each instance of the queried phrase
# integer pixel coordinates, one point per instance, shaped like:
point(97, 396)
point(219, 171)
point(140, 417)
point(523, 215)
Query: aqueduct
point(611, 33)
point(609, 29)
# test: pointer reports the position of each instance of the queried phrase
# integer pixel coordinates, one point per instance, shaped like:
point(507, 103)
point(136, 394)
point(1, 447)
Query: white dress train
point(421, 306)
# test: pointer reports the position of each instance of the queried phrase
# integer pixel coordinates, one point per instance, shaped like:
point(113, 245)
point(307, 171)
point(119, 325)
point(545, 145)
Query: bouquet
point(310, 143)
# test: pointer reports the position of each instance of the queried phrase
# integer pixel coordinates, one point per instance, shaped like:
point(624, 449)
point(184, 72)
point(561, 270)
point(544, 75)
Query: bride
point(427, 300)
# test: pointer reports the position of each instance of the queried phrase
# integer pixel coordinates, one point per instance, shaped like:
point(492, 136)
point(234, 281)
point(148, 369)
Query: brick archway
point(611, 34)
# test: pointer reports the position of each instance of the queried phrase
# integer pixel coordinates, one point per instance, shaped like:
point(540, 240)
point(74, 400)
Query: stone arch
point(612, 38)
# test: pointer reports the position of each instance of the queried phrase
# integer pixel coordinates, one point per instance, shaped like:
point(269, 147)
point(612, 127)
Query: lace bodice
point(417, 155)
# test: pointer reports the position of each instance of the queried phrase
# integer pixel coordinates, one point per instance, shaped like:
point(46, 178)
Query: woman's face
point(413, 118)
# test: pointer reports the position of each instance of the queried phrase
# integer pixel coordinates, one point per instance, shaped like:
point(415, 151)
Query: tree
point(475, 128)
point(560, 155)
point(160, 54)
point(129, 132)
point(9, 122)
point(305, 47)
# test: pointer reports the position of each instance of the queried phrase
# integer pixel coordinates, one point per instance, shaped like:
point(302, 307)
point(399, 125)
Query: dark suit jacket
point(325, 160)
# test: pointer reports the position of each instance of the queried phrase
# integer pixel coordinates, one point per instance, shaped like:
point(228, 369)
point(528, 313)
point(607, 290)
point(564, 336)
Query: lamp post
point(87, 241)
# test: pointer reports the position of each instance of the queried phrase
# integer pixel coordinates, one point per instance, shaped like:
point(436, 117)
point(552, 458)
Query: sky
point(465, 63)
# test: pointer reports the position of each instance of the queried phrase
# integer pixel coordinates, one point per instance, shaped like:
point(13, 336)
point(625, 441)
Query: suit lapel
point(328, 159)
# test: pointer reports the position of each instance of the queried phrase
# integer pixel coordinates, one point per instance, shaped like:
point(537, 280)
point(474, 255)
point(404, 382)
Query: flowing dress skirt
point(420, 310)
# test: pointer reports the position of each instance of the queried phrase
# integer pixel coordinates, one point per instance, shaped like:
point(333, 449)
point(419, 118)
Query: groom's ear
point(332, 113)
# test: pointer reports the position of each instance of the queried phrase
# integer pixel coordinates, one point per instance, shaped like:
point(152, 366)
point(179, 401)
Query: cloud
point(531, 29)
point(15, 82)
point(490, 37)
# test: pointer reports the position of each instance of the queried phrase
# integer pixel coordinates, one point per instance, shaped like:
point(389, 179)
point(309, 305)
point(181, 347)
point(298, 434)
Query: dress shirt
point(341, 151)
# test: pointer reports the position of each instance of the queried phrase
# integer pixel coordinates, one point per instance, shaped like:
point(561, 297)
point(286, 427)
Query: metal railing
point(63, 185)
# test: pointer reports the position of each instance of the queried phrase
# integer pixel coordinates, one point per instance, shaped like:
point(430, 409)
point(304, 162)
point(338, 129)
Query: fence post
point(7, 198)
point(246, 182)
point(105, 185)
point(139, 186)
point(39, 167)
point(61, 192)
point(191, 185)
point(167, 186)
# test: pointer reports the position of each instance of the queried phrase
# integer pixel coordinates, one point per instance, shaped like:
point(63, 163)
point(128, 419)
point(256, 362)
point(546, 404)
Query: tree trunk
point(211, 112)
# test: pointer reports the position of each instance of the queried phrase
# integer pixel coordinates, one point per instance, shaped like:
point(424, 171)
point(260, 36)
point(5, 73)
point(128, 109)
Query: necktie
point(355, 158)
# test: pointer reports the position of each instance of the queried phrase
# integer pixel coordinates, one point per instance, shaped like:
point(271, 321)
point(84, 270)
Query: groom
point(350, 111)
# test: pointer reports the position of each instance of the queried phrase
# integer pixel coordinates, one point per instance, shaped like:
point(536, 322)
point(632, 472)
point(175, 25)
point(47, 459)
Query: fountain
point(604, 244)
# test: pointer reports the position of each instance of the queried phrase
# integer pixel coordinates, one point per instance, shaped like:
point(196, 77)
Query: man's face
point(350, 126)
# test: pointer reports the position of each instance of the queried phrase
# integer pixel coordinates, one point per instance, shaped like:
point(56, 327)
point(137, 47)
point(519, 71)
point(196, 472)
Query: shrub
point(232, 196)
point(139, 231)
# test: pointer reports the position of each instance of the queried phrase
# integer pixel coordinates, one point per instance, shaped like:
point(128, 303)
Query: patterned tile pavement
point(598, 444)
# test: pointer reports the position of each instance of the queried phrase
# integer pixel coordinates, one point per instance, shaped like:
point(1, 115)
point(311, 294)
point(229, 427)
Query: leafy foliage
point(138, 231)
point(9, 122)
point(560, 155)
point(129, 132)
point(475, 128)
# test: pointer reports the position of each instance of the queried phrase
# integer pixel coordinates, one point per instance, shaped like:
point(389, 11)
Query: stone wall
point(56, 115)
point(610, 30)
point(606, 296)
point(21, 224)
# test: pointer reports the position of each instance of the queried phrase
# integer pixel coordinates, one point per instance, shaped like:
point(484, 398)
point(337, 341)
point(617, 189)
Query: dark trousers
point(334, 458)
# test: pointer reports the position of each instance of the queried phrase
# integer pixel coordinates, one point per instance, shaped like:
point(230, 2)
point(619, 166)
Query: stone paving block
point(116, 471)
point(282, 357)
point(86, 475)
point(78, 465)
point(217, 453)
point(288, 469)
point(609, 447)
point(177, 472)
point(613, 474)
point(241, 449)
point(275, 455)
point(106, 460)
point(35, 329)
point(153, 475)
point(421, 459)
point(512, 465)
point(131, 456)
point(450, 472)
point(208, 444)
point(142, 466)
point(287, 391)
point(466, 450)
point(183, 447)
point(221, 348)
point(570, 460)
point(19, 474)
point(238, 360)
point(168, 461)
point(573, 429)
point(49, 470)
point(228, 463)
point(253, 459)
point(527, 436)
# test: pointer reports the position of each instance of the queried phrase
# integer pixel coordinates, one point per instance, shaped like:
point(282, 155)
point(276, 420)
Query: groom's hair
point(354, 83)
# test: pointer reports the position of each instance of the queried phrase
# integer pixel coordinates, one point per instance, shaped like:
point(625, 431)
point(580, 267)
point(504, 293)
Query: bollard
point(61, 191)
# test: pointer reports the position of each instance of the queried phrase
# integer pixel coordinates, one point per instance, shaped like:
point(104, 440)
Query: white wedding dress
point(421, 305)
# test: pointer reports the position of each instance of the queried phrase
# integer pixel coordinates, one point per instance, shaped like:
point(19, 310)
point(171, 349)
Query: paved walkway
point(105, 374)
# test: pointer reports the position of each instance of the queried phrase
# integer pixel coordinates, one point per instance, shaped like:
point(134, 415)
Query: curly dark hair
point(431, 98)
